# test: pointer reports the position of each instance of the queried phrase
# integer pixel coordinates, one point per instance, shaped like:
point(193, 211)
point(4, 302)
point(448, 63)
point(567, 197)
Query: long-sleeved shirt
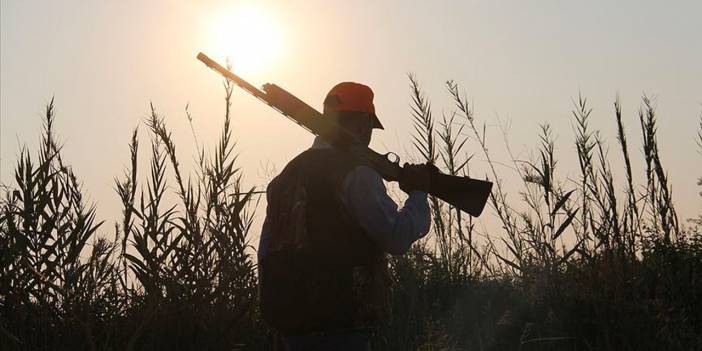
point(365, 197)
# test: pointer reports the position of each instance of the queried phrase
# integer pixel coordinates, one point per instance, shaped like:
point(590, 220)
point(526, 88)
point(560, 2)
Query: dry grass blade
point(423, 122)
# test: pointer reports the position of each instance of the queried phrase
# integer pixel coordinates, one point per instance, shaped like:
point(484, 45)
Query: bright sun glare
point(248, 38)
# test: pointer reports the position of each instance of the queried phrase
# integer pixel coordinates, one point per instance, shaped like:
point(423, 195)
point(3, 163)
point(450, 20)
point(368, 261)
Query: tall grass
point(578, 264)
point(171, 276)
point(593, 263)
point(50, 296)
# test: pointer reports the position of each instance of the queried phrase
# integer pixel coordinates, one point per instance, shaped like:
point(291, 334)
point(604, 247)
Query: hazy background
point(520, 62)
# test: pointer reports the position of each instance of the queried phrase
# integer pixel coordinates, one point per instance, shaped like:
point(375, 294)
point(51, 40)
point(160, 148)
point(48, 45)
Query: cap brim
point(376, 123)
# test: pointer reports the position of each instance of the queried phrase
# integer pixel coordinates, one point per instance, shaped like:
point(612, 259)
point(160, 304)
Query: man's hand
point(416, 177)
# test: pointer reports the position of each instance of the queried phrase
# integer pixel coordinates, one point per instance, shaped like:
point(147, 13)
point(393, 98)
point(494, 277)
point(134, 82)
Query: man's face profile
point(359, 124)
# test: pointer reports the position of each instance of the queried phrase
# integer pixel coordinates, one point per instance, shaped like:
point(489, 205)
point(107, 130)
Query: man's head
point(350, 105)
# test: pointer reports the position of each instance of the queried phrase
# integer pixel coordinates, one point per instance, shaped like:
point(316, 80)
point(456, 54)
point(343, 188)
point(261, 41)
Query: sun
point(246, 37)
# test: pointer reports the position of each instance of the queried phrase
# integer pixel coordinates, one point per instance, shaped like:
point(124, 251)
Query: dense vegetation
point(578, 265)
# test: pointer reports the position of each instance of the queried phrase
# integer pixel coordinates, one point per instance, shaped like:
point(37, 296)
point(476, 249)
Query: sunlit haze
point(246, 35)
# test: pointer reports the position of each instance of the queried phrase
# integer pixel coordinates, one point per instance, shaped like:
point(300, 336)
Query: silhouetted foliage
point(579, 264)
point(576, 267)
point(172, 276)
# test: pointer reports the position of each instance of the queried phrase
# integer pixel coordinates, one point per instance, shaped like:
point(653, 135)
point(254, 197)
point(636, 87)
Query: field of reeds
point(576, 265)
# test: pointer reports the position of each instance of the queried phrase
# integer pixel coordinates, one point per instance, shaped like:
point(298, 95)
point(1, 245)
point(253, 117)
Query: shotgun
point(466, 194)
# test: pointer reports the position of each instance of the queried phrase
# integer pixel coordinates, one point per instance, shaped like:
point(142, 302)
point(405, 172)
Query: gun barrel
point(231, 76)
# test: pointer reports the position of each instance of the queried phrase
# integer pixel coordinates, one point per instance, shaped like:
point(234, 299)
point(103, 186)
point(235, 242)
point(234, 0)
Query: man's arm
point(365, 197)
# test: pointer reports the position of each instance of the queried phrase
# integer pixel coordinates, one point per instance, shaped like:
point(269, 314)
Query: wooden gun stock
point(466, 194)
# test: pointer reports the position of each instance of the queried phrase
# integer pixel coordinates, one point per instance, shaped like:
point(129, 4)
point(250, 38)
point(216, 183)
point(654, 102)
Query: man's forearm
point(366, 198)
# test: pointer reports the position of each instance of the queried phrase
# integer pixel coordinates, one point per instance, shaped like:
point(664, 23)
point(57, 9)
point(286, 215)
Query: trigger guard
point(392, 157)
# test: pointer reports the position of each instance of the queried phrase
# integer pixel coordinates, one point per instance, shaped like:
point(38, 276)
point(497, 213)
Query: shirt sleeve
point(365, 197)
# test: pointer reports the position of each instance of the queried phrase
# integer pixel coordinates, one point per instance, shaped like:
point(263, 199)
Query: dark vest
point(321, 271)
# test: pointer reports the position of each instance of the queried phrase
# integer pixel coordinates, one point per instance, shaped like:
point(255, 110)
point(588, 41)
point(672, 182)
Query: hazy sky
point(520, 62)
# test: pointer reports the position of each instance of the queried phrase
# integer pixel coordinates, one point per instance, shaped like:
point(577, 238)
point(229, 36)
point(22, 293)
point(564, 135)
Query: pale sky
point(521, 62)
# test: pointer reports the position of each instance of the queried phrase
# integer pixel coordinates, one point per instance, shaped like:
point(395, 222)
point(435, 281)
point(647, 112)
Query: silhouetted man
point(329, 225)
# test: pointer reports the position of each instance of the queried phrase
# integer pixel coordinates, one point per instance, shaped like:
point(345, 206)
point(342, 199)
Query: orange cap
point(352, 97)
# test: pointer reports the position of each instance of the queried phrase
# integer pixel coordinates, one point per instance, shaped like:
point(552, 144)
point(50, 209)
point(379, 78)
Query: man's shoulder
point(363, 178)
point(326, 163)
point(323, 160)
point(361, 171)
